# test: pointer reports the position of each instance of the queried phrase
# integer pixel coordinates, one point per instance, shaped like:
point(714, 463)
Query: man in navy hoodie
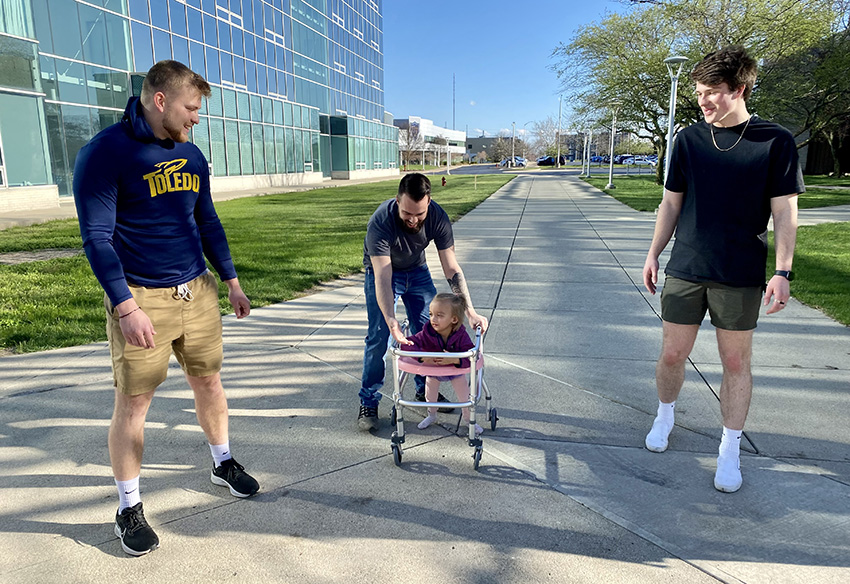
point(142, 192)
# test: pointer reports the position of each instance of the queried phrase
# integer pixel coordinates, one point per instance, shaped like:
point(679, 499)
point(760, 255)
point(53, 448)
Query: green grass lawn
point(822, 256)
point(282, 246)
point(641, 192)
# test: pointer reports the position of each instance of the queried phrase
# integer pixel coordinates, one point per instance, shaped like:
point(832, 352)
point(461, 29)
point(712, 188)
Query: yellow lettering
point(187, 181)
point(196, 183)
point(161, 184)
point(150, 179)
point(177, 185)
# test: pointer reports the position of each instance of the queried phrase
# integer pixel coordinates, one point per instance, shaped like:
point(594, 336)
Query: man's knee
point(674, 356)
point(735, 364)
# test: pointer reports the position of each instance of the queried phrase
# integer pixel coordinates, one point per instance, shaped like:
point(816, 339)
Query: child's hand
point(430, 361)
point(446, 361)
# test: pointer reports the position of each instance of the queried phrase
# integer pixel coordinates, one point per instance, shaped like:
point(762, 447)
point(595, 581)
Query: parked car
point(550, 160)
point(518, 161)
point(596, 158)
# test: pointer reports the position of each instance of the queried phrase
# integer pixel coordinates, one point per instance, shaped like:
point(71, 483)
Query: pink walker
point(405, 364)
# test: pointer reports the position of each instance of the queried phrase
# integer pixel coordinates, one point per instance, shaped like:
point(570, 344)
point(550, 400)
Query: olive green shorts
point(731, 308)
point(191, 329)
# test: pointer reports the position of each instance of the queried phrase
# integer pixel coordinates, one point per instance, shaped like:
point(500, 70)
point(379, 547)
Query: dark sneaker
point(440, 398)
point(137, 537)
point(367, 419)
point(231, 474)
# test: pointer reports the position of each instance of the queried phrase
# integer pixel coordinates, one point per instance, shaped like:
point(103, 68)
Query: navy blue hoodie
point(145, 210)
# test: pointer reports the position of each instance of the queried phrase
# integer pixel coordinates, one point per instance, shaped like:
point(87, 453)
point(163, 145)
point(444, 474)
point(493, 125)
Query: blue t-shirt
point(145, 210)
point(386, 236)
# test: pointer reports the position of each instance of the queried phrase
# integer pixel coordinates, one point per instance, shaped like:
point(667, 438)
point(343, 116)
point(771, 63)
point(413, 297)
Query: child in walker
point(444, 332)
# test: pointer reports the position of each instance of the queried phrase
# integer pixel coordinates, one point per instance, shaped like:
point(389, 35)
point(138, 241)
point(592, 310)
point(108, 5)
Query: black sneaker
point(440, 398)
point(137, 537)
point(367, 419)
point(231, 474)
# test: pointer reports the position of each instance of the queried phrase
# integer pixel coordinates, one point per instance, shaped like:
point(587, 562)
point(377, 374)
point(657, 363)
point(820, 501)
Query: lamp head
point(676, 60)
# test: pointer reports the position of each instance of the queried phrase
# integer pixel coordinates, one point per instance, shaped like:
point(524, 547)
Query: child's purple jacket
point(429, 341)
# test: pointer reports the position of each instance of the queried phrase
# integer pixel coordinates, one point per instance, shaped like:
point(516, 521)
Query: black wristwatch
point(787, 274)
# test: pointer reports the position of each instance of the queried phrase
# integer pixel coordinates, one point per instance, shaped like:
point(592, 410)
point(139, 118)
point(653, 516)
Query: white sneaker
point(728, 476)
point(656, 440)
point(429, 419)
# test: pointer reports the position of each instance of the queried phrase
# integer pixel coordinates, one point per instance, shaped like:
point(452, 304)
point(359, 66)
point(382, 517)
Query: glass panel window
point(48, 77)
point(17, 64)
point(26, 152)
point(262, 81)
point(268, 139)
point(256, 108)
point(236, 34)
point(76, 122)
point(244, 105)
point(217, 147)
point(229, 103)
point(118, 39)
point(267, 110)
point(290, 151)
point(308, 146)
point(139, 10)
point(214, 105)
point(249, 46)
point(196, 58)
point(178, 17)
point(258, 143)
point(287, 114)
point(213, 71)
point(99, 83)
point(239, 71)
point(226, 67)
point(71, 81)
point(201, 136)
point(93, 22)
point(161, 45)
point(65, 26)
point(298, 144)
point(210, 30)
point(224, 36)
point(42, 26)
point(181, 49)
point(231, 142)
point(159, 13)
point(142, 47)
point(56, 141)
point(245, 148)
point(278, 112)
point(196, 28)
point(280, 152)
point(251, 75)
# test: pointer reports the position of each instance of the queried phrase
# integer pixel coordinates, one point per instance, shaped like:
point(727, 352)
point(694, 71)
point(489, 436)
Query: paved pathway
point(566, 492)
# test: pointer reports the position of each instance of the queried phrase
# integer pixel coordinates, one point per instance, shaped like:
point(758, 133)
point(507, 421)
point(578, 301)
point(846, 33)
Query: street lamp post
point(525, 136)
point(584, 152)
point(674, 82)
point(610, 184)
point(513, 140)
point(558, 159)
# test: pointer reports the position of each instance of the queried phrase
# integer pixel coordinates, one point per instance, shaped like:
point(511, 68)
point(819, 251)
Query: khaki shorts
point(191, 329)
point(731, 308)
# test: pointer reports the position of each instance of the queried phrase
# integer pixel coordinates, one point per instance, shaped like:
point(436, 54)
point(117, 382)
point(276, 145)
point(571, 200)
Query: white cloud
point(472, 103)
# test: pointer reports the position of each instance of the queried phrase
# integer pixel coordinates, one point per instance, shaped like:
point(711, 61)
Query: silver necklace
point(711, 128)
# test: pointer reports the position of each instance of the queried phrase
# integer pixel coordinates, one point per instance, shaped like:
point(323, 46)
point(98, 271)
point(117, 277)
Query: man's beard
point(412, 230)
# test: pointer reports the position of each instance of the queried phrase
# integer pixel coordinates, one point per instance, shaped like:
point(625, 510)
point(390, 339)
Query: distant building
point(297, 87)
point(474, 146)
point(420, 134)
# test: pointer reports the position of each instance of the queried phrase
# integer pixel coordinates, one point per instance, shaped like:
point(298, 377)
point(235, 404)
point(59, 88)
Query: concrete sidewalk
point(565, 493)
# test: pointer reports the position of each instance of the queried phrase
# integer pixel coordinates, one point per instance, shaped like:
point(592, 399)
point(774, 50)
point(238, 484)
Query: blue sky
point(498, 51)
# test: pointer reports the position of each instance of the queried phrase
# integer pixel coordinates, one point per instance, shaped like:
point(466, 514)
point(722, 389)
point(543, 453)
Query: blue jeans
point(416, 290)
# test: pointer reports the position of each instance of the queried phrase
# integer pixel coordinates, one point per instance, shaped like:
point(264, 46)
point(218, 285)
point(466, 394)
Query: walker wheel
point(493, 419)
point(393, 416)
point(396, 454)
point(476, 457)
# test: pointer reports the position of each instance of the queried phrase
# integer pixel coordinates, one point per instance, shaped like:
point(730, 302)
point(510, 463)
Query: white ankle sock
point(220, 453)
point(429, 419)
point(667, 412)
point(730, 443)
point(128, 493)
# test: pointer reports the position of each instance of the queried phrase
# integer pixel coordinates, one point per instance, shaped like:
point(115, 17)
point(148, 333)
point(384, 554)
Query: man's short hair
point(730, 65)
point(415, 185)
point(168, 76)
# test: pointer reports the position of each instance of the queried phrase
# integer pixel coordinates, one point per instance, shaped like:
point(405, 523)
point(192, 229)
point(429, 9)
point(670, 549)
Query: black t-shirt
point(385, 236)
point(721, 235)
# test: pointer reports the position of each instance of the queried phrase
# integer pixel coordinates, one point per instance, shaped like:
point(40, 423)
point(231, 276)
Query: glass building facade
point(296, 84)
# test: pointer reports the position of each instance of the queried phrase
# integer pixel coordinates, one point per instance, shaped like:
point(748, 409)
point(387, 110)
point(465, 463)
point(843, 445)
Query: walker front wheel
point(476, 457)
point(396, 454)
point(493, 419)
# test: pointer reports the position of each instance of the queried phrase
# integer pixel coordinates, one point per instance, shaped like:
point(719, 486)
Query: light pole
point(584, 155)
point(525, 136)
point(558, 159)
point(610, 184)
point(513, 139)
point(674, 82)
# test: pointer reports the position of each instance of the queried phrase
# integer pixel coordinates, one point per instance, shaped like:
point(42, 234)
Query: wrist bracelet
point(120, 316)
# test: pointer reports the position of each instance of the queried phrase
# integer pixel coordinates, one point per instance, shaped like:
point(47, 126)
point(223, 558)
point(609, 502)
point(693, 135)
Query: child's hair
point(458, 304)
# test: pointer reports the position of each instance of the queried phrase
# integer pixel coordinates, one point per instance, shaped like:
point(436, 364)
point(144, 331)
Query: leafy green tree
point(620, 59)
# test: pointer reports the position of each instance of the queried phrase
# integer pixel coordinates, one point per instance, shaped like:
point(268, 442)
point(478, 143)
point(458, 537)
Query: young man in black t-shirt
point(727, 176)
